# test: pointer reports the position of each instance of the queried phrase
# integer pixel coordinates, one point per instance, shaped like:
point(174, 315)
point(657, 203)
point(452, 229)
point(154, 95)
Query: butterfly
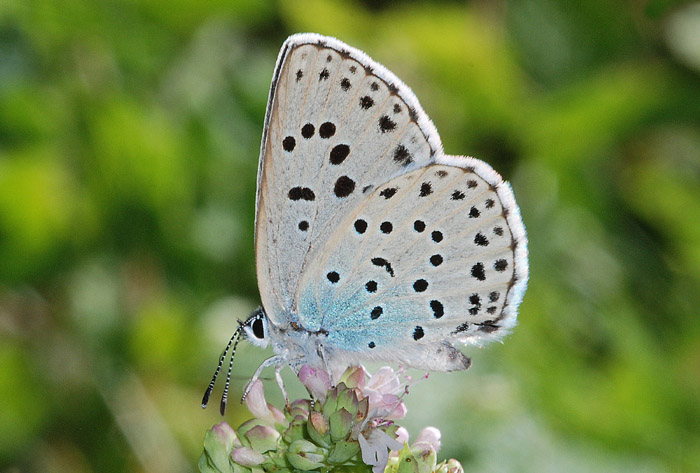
point(371, 243)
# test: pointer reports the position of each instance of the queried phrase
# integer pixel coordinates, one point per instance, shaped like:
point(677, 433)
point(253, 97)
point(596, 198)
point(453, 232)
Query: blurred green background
point(129, 140)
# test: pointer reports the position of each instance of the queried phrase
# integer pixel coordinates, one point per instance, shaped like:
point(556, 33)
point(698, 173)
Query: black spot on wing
point(436, 260)
point(289, 143)
point(344, 186)
point(301, 193)
point(366, 102)
point(402, 155)
point(420, 285)
point(386, 124)
point(383, 262)
point(500, 265)
point(481, 240)
point(326, 130)
point(389, 192)
point(339, 153)
point(478, 271)
point(437, 308)
point(418, 333)
point(307, 131)
point(360, 226)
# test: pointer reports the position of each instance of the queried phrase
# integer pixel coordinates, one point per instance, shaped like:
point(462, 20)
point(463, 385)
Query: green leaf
point(340, 423)
point(407, 462)
point(343, 451)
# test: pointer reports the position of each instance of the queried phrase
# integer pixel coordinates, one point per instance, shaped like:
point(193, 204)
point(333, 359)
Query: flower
point(258, 406)
point(317, 382)
point(349, 426)
point(375, 449)
point(429, 437)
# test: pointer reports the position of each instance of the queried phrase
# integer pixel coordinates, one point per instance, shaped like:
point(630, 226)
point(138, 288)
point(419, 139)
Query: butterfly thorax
point(297, 345)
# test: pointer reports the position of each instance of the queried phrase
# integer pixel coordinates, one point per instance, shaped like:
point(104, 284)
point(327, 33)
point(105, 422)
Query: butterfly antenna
point(224, 396)
point(207, 393)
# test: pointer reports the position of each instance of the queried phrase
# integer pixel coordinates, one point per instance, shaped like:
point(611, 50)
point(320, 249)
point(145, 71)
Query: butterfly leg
point(322, 354)
point(280, 383)
point(276, 360)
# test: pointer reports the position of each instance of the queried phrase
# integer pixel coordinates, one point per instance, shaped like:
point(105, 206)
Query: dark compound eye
point(258, 329)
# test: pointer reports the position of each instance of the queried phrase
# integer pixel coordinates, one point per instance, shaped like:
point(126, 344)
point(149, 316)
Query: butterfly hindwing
point(439, 258)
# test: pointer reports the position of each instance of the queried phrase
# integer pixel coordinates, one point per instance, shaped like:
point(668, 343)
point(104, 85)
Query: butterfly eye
point(258, 329)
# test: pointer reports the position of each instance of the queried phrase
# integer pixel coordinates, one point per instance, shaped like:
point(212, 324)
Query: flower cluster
point(349, 427)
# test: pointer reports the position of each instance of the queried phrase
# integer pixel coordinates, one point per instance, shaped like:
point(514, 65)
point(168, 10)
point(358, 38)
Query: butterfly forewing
point(336, 131)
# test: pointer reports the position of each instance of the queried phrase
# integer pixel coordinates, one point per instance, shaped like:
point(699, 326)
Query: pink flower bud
point(317, 381)
point(255, 401)
point(428, 437)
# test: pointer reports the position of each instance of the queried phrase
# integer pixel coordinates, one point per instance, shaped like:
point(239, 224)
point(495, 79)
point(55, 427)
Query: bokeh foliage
point(129, 137)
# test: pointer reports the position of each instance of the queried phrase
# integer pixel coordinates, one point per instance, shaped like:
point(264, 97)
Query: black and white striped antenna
point(233, 340)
